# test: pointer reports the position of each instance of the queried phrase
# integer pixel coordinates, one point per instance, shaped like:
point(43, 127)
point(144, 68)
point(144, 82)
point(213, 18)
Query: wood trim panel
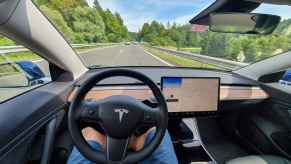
point(242, 93)
point(140, 92)
point(103, 92)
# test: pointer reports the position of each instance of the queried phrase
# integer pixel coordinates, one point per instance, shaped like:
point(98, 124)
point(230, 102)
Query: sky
point(136, 12)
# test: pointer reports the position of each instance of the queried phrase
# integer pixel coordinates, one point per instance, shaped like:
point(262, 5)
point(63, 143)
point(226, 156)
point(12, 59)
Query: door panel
point(267, 129)
point(21, 117)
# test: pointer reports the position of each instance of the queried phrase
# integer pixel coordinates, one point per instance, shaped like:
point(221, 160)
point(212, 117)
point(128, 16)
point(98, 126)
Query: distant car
point(127, 43)
point(286, 79)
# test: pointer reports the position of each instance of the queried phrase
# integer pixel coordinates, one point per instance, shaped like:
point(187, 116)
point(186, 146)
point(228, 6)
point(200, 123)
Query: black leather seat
point(263, 159)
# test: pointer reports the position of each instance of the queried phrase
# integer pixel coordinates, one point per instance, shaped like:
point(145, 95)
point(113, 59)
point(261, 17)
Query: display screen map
point(191, 94)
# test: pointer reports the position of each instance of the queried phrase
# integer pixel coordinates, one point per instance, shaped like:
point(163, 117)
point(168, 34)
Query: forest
point(81, 23)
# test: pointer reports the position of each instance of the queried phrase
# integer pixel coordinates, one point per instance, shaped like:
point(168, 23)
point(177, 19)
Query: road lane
point(122, 55)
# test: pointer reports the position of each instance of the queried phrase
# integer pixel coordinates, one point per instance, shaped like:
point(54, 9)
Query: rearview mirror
point(244, 23)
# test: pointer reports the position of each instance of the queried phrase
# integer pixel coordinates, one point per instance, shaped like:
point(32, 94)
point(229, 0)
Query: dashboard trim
point(227, 93)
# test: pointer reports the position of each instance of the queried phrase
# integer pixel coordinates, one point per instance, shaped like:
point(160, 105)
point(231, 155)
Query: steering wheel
point(119, 116)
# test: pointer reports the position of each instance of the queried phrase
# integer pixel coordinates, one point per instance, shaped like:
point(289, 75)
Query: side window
point(20, 69)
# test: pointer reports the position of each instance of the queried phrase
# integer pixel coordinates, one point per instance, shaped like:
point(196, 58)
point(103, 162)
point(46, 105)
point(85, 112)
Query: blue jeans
point(164, 154)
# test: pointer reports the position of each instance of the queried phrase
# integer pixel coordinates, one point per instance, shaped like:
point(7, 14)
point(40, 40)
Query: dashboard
point(199, 94)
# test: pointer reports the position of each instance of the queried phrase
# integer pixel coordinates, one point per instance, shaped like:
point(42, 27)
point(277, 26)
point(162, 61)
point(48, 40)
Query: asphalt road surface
point(119, 55)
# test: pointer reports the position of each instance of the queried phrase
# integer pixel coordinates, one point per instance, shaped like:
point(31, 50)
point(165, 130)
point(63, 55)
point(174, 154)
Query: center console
point(187, 142)
point(187, 98)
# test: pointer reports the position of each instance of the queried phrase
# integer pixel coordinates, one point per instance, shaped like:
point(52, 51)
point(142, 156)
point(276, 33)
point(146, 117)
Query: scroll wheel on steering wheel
point(151, 102)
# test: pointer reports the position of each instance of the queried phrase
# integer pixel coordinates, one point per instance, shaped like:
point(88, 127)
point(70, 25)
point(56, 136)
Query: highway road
point(121, 55)
point(118, 55)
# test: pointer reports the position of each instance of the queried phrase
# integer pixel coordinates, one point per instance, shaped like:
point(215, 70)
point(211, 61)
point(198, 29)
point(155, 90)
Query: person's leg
point(77, 158)
point(164, 154)
point(95, 139)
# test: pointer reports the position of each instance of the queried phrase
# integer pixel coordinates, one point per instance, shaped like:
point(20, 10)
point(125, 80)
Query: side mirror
point(11, 76)
point(244, 23)
point(21, 74)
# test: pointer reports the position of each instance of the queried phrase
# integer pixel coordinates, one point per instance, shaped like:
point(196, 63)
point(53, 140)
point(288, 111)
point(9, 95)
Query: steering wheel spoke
point(116, 149)
point(151, 116)
point(89, 110)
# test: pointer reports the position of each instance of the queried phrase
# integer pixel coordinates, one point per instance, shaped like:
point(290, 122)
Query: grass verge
point(195, 50)
point(85, 49)
point(17, 56)
point(179, 61)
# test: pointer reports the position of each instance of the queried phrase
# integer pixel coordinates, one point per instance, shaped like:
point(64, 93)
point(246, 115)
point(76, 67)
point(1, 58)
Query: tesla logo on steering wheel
point(121, 113)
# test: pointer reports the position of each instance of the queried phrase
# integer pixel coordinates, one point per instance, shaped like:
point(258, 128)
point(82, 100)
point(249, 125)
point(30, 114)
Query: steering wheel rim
point(73, 119)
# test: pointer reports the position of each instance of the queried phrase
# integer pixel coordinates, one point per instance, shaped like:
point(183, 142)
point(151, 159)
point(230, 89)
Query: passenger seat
point(262, 159)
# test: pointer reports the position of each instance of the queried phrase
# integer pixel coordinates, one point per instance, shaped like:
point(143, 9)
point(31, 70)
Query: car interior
point(213, 116)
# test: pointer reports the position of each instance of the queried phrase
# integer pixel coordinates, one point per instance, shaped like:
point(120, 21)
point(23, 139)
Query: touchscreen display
point(191, 94)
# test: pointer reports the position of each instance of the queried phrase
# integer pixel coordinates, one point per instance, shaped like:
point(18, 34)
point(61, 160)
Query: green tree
point(233, 49)
point(144, 31)
point(215, 44)
point(116, 31)
point(57, 18)
point(250, 49)
point(41, 2)
point(98, 6)
point(86, 22)
point(63, 5)
point(83, 24)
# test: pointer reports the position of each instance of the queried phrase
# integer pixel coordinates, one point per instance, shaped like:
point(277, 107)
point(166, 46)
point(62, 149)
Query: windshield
point(157, 33)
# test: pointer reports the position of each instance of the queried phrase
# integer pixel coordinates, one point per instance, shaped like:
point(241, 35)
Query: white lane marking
point(159, 59)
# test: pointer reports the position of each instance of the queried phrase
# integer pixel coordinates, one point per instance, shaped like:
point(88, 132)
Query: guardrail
point(218, 62)
point(11, 49)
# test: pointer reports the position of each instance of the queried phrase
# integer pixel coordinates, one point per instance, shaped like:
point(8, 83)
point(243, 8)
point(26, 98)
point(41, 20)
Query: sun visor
point(203, 18)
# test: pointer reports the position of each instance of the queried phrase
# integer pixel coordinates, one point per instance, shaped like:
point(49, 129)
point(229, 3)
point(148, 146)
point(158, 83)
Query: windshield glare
point(157, 33)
